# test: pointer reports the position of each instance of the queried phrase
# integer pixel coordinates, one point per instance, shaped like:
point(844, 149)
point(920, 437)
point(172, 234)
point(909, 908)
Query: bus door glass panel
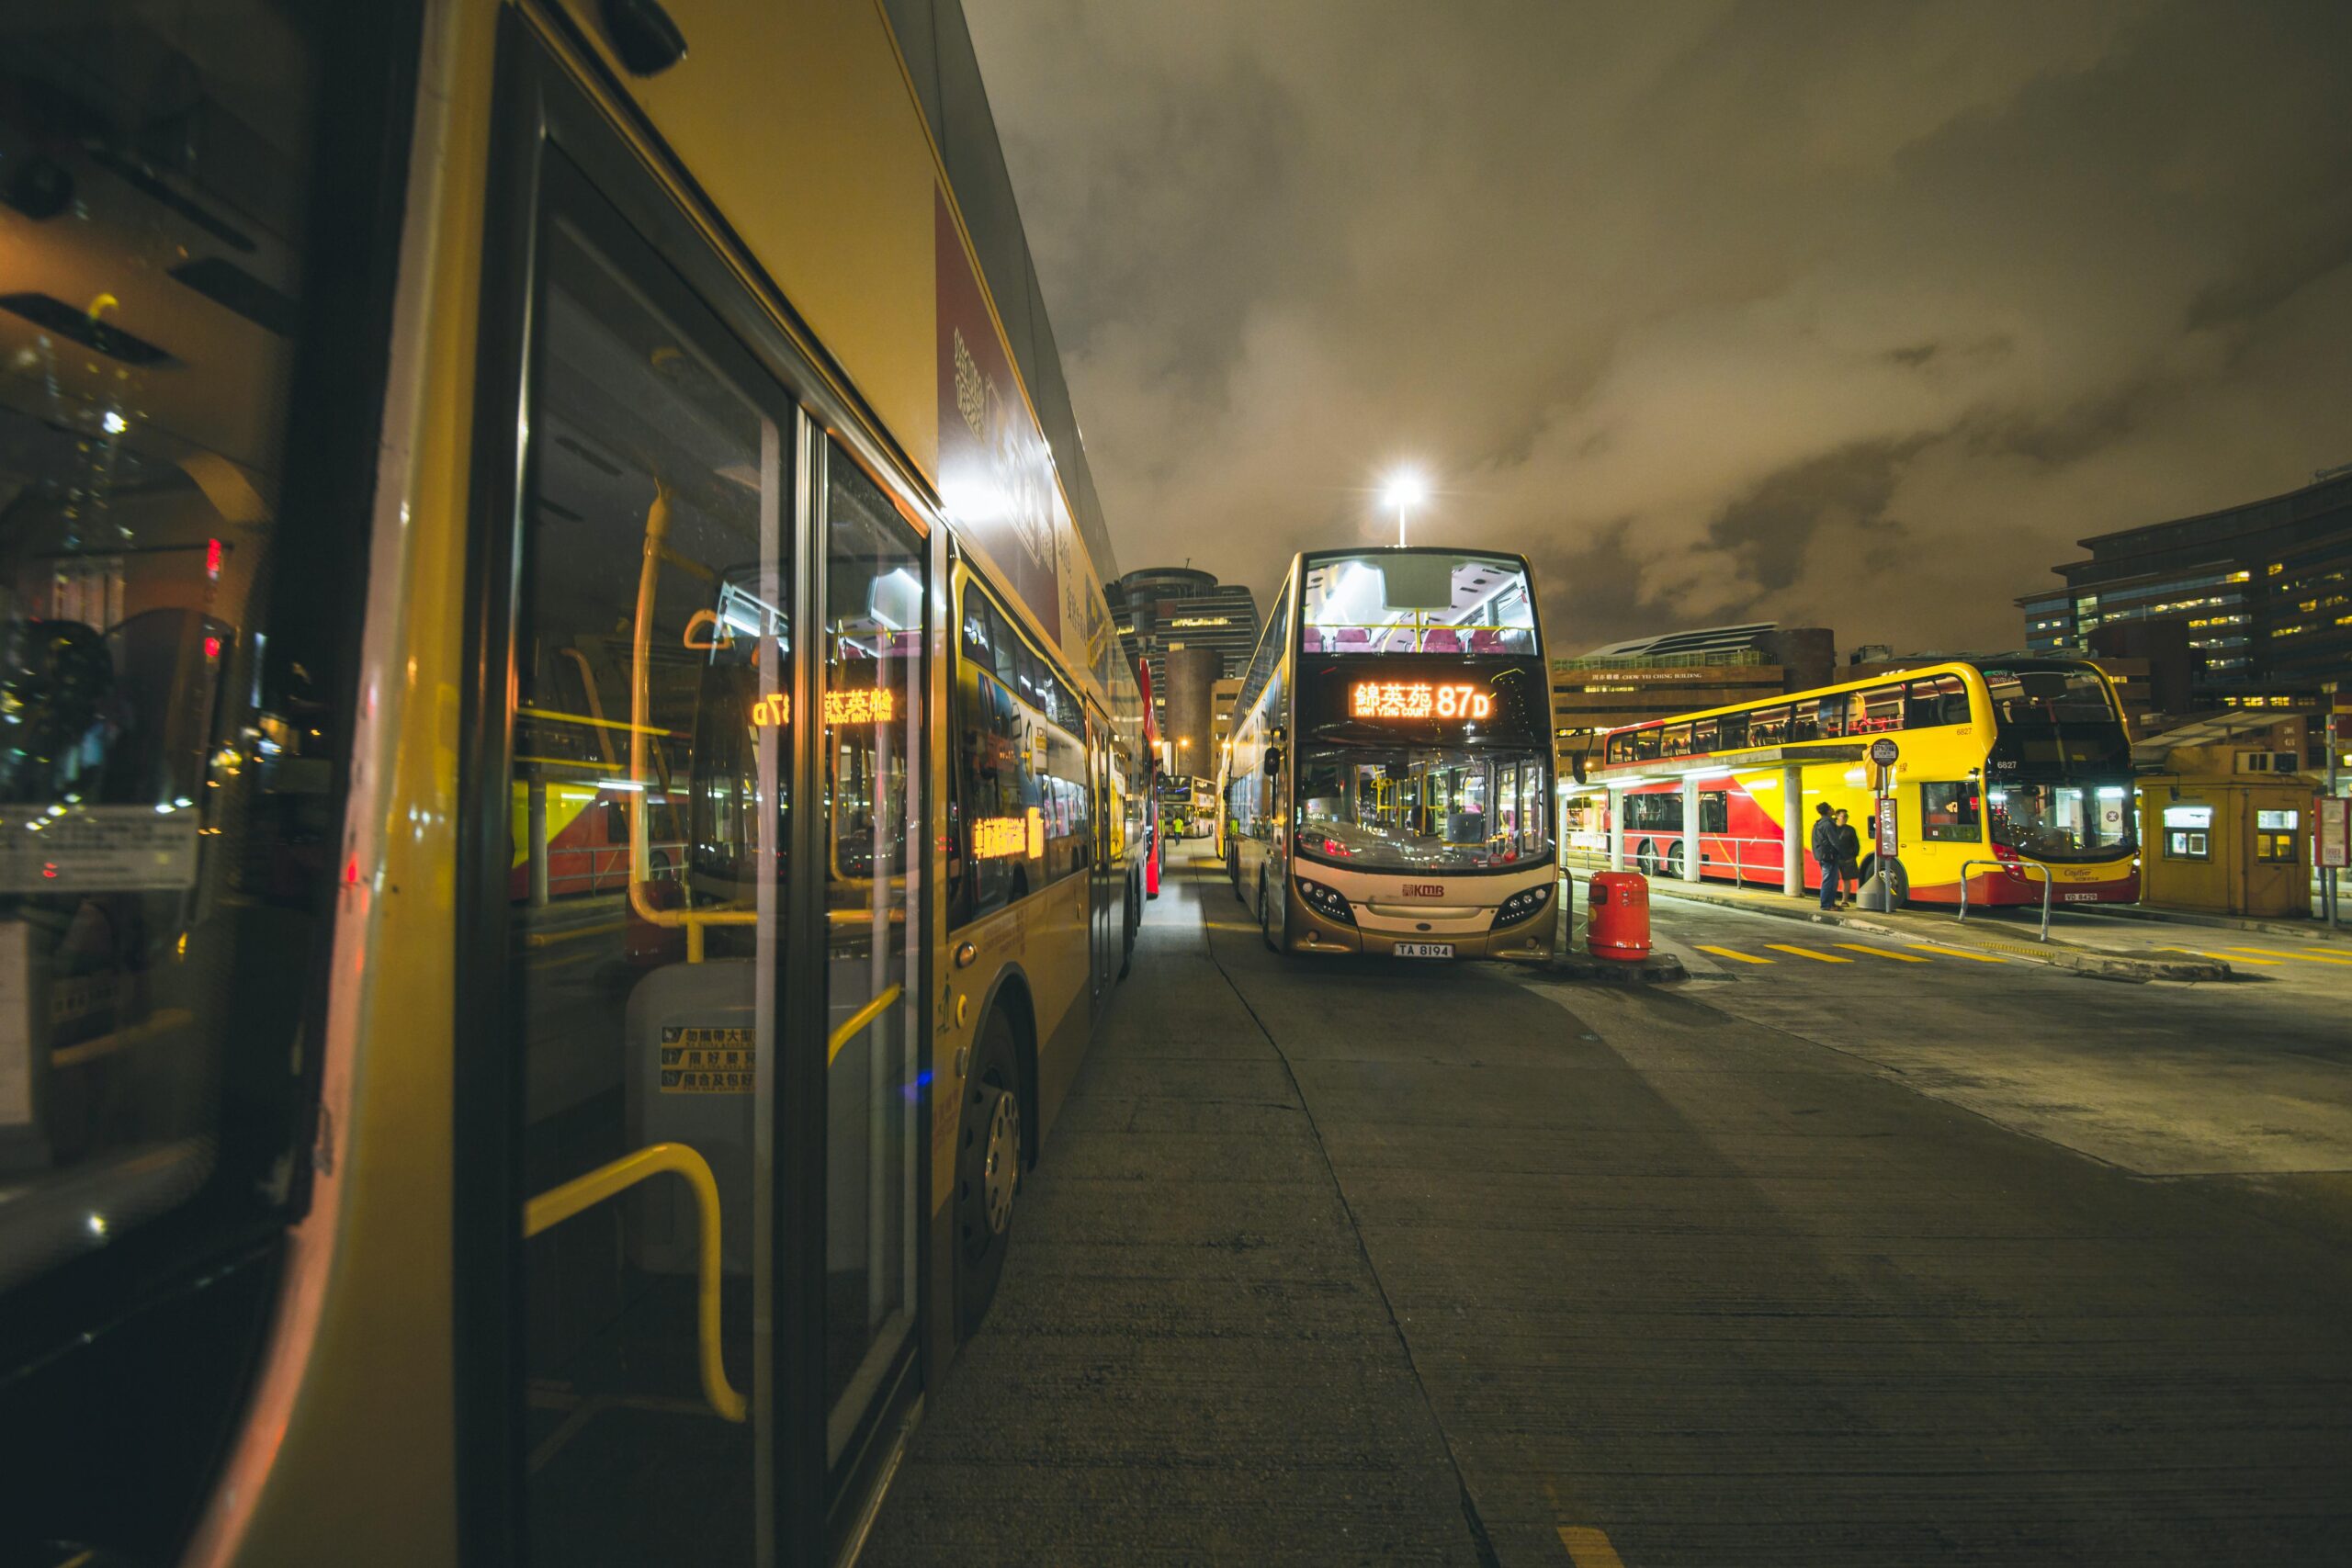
point(652, 579)
point(873, 696)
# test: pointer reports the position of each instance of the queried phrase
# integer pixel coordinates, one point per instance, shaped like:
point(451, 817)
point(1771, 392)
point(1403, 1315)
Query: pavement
point(1825, 1256)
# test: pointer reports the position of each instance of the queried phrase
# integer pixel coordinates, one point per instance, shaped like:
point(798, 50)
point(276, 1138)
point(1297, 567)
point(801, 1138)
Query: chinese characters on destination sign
point(1416, 699)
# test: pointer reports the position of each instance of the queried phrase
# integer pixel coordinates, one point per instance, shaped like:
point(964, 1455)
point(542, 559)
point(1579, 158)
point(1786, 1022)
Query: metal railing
point(583, 1192)
point(2013, 866)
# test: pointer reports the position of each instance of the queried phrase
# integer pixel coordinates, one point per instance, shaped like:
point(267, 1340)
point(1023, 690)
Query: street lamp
point(1405, 489)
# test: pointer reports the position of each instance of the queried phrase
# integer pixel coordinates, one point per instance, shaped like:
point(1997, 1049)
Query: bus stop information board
point(2333, 817)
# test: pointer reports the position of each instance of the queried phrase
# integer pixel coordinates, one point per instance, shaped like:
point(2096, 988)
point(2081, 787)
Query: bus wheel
point(1127, 926)
point(1674, 863)
point(658, 865)
point(988, 1169)
point(1898, 881)
point(1646, 858)
point(1273, 934)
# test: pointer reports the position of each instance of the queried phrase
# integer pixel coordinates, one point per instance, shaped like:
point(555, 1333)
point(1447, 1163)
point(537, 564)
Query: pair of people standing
point(1837, 849)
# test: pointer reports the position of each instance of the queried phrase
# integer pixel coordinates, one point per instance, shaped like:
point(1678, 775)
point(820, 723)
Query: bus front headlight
point(1523, 904)
point(1328, 902)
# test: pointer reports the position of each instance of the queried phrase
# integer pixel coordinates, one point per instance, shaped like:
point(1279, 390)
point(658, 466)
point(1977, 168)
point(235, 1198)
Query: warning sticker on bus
point(707, 1061)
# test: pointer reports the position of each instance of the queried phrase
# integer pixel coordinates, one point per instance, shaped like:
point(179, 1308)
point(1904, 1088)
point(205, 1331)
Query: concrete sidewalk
point(2070, 947)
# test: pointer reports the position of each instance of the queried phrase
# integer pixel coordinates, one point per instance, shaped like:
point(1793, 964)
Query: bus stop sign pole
point(1885, 842)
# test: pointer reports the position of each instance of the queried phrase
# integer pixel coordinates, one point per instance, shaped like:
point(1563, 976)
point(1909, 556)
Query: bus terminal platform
point(1340, 1261)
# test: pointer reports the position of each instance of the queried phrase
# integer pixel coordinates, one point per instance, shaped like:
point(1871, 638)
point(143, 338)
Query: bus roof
point(1907, 672)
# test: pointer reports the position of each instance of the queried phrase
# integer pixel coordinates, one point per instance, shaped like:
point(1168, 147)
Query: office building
point(1161, 610)
point(2263, 591)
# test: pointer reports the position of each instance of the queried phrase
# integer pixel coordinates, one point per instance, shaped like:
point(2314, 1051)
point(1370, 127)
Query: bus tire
point(1674, 863)
point(1275, 937)
point(1132, 919)
point(988, 1169)
point(656, 865)
point(1898, 881)
point(1646, 858)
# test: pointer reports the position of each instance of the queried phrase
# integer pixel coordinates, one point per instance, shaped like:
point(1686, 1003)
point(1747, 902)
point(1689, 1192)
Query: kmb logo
point(1424, 890)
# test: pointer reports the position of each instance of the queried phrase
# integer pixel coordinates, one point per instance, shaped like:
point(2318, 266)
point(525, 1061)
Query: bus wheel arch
point(996, 1140)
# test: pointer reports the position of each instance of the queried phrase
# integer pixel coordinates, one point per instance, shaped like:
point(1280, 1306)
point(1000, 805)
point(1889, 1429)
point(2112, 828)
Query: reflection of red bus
point(587, 839)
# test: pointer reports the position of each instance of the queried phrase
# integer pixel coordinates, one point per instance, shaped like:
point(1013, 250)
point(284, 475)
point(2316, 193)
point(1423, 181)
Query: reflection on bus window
point(2062, 821)
point(1416, 809)
point(168, 804)
point(1416, 602)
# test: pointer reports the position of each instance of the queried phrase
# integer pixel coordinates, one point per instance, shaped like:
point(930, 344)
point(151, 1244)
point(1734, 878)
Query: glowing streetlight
point(1405, 489)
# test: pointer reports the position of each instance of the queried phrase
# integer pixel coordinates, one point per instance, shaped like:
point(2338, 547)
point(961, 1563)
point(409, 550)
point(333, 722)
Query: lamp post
point(1405, 489)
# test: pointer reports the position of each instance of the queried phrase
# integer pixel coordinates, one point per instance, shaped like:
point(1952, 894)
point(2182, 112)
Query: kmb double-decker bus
point(570, 803)
point(1389, 785)
point(2018, 764)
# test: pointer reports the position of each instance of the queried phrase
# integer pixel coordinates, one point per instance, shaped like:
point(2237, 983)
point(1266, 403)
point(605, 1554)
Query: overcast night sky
point(1851, 315)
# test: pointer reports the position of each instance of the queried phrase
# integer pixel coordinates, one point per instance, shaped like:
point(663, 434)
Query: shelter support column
point(1690, 828)
point(1793, 827)
point(1616, 828)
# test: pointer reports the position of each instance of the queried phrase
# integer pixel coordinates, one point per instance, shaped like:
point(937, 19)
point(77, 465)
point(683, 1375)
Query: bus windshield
point(1416, 602)
point(2063, 821)
point(2053, 694)
point(1416, 809)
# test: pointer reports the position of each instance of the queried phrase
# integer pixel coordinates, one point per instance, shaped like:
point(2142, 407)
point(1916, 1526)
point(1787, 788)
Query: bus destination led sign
point(1418, 699)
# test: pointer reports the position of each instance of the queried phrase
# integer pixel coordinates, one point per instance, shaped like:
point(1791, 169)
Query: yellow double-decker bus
point(569, 805)
point(2007, 774)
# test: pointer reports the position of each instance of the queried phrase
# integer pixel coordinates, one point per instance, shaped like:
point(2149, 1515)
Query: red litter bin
point(1618, 921)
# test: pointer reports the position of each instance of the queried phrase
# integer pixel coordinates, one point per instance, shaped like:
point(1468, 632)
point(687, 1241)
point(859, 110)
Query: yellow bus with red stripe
point(2008, 773)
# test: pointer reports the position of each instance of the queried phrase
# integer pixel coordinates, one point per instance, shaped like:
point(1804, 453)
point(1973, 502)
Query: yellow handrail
point(859, 1020)
point(640, 870)
point(559, 1204)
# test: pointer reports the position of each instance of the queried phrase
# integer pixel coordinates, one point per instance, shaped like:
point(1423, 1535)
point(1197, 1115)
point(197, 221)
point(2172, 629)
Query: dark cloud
point(1850, 313)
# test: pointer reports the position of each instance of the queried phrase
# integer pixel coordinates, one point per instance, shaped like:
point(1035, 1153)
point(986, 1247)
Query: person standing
point(1825, 854)
point(1849, 860)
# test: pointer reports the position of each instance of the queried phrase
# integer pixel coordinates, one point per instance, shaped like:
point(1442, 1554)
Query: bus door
point(876, 748)
point(687, 1175)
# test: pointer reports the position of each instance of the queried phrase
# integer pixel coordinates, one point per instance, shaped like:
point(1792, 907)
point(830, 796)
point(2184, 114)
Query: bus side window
point(1714, 811)
point(1940, 700)
point(616, 822)
point(1948, 814)
point(1732, 732)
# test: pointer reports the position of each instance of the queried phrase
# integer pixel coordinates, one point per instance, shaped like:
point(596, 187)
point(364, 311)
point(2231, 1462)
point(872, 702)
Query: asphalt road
point(1802, 1262)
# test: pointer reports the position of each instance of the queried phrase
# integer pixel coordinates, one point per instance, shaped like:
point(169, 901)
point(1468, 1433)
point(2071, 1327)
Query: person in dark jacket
point(1825, 854)
point(1849, 860)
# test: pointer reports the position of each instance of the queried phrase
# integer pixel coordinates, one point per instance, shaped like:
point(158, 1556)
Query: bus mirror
point(1576, 765)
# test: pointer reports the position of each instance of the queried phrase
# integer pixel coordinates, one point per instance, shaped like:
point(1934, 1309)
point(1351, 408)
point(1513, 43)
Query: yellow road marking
point(1727, 953)
point(1881, 952)
point(2220, 957)
point(1807, 953)
point(1590, 1548)
point(2300, 957)
point(1957, 953)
